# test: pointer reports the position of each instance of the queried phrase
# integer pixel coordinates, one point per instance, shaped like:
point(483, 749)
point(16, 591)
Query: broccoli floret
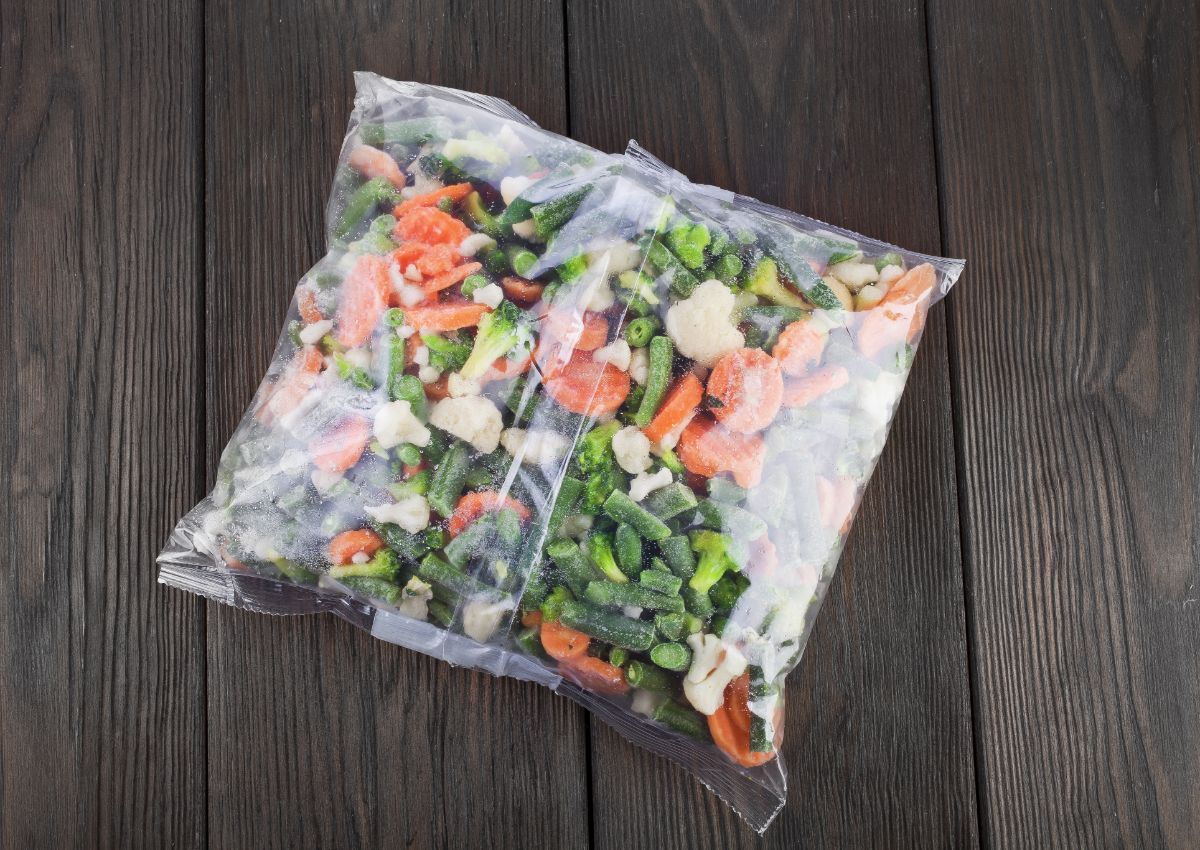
point(552, 607)
point(714, 559)
point(447, 354)
point(600, 550)
point(595, 449)
point(600, 485)
point(385, 565)
point(765, 282)
point(499, 331)
point(687, 242)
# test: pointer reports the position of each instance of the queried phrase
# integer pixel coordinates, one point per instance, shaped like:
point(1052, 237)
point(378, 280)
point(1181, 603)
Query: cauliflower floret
point(621, 257)
point(889, 275)
point(410, 513)
point(491, 295)
point(359, 558)
point(632, 449)
point(525, 229)
point(360, 357)
point(472, 418)
point(410, 296)
point(395, 423)
point(597, 296)
point(616, 352)
point(311, 334)
point(414, 599)
point(473, 244)
point(428, 374)
point(639, 365)
point(877, 399)
point(421, 355)
point(702, 326)
point(458, 386)
point(536, 448)
point(854, 274)
point(714, 666)
point(644, 483)
point(481, 617)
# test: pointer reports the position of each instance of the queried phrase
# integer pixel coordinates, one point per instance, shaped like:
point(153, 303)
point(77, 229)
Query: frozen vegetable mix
point(566, 416)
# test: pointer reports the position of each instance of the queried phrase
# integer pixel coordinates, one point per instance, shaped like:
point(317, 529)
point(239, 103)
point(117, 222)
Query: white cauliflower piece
point(889, 275)
point(428, 374)
point(410, 513)
point(714, 666)
point(512, 187)
point(472, 418)
point(458, 386)
point(481, 617)
point(639, 365)
point(616, 352)
point(359, 558)
point(421, 355)
point(526, 229)
point(491, 295)
point(476, 242)
point(644, 483)
point(854, 274)
point(395, 423)
point(360, 357)
point(414, 599)
point(598, 295)
point(701, 326)
point(536, 448)
point(311, 334)
point(410, 296)
point(621, 257)
point(632, 449)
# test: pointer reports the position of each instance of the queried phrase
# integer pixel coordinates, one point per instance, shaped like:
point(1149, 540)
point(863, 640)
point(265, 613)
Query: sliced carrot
point(575, 332)
point(339, 448)
point(900, 315)
point(306, 303)
point(475, 504)
point(293, 385)
point(364, 297)
point(455, 193)
point(346, 545)
point(730, 725)
point(745, 389)
point(680, 403)
point(595, 675)
point(407, 254)
point(585, 386)
point(445, 281)
point(524, 293)
point(438, 259)
point(372, 162)
point(431, 226)
point(915, 284)
point(532, 619)
point(439, 389)
point(808, 389)
point(445, 317)
point(707, 448)
point(563, 643)
point(800, 346)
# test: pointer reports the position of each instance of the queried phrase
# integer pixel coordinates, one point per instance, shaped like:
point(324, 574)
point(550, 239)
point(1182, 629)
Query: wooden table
point(1010, 654)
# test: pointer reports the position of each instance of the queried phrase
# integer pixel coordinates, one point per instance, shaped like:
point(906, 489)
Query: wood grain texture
point(821, 108)
point(102, 671)
point(320, 735)
point(1078, 350)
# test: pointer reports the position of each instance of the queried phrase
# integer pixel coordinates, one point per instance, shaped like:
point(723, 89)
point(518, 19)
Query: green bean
point(613, 595)
point(448, 480)
point(658, 376)
point(671, 656)
point(624, 509)
point(683, 719)
point(607, 626)
point(639, 332)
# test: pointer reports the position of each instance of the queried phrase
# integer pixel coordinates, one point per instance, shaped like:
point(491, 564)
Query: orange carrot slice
point(745, 389)
point(595, 675)
point(808, 389)
point(445, 317)
point(437, 259)
point(455, 193)
point(474, 505)
point(575, 332)
point(346, 545)
point(431, 226)
point(900, 315)
point(364, 297)
point(372, 162)
point(448, 279)
point(340, 448)
point(800, 346)
point(587, 387)
point(707, 448)
point(306, 303)
point(293, 385)
point(562, 642)
point(681, 402)
point(730, 725)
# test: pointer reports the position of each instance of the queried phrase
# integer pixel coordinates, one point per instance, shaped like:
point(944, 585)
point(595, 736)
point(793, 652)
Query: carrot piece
point(306, 303)
point(439, 389)
point(431, 226)
point(407, 254)
point(729, 725)
point(437, 259)
point(900, 315)
point(811, 387)
point(504, 368)
point(524, 293)
point(293, 385)
point(364, 297)
point(745, 389)
point(800, 347)
point(445, 317)
point(346, 545)
point(372, 162)
point(340, 448)
point(563, 643)
point(576, 333)
point(585, 386)
point(455, 193)
point(707, 448)
point(680, 403)
point(913, 286)
point(532, 619)
point(445, 281)
point(595, 675)
point(475, 504)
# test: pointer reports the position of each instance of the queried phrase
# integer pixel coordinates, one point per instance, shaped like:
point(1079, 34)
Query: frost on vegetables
point(566, 405)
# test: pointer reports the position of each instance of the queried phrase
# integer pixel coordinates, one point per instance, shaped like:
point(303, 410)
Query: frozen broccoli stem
point(600, 550)
point(714, 559)
point(608, 626)
point(499, 331)
point(446, 354)
point(624, 509)
point(384, 565)
point(765, 283)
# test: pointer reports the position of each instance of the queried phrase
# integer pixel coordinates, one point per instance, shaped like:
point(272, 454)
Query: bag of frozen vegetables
point(566, 416)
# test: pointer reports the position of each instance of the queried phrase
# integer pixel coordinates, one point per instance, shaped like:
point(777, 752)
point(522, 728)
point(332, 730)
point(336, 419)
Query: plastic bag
point(566, 416)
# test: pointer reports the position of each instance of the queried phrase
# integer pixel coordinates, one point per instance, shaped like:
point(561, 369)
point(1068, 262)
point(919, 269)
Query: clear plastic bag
point(565, 416)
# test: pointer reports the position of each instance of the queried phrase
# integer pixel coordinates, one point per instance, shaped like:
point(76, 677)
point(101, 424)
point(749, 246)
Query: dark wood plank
point(1068, 142)
point(320, 735)
point(826, 111)
point(102, 673)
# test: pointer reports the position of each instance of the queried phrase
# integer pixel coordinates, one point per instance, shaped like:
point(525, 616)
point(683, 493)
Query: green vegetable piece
point(409, 388)
point(691, 623)
point(671, 461)
point(472, 282)
point(683, 719)
point(714, 561)
point(496, 262)
point(595, 448)
point(724, 490)
point(530, 642)
point(362, 202)
point(572, 269)
point(737, 522)
point(765, 282)
point(441, 613)
point(672, 626)
point(410, 547)
point(613, 628)
point(508, 526)
point(447, 354)
point(478, 213)
point(393, 317)
point(574, 567)
point(624, 509)
point(889, 259)
point(408, 454)
point(520, 259)
point(671, 656)
point(639, 674)
point(410, 131)
point(639, 284)
point(375, 588)
point(600, 550)
point(727, 268)
point(417, 485)
point(552, 607)
point(611, 595)
point(294, 571)
point(662, 582)
point(658, 378)
point(628, 546)
point(435, 569)
point(639, 332)
point(449, 478)
point(551, 215)
point(670, 501)
point(726, 592)
point(618, 656)
point(499, 331)
point(682, 281)
point(677, 552)
point(471, 541)
point(352, 374)
point(385, 565)
point(568, 495)
point(687, 242)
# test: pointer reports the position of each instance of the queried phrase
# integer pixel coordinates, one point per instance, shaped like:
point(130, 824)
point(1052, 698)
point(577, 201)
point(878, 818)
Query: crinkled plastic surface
point(568, 417)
